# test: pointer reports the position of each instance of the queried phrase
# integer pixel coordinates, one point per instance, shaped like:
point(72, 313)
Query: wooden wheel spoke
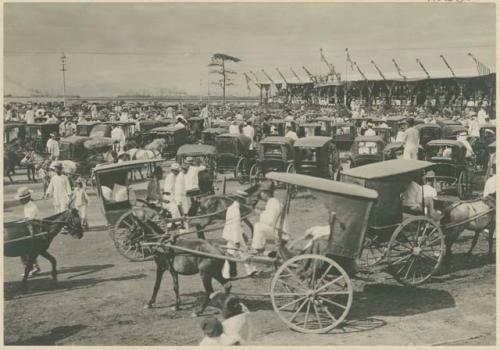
point(343, 292)
point(329, 283)
point(313, 277)
point(296, 278)
point(409, 268)
point(325, 309)
point(426, 237)
point(298, 310)
point(288, 294)
point(402, 259)
point(325, 274)
point(317, 315)
point(430, 257)
point(332, 302)
point(399, 244)
point(290, 286)
point(407, 239)
point(295, 301)
point(307, 313)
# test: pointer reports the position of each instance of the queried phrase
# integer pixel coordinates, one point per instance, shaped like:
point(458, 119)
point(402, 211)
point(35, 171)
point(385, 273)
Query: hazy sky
point(118, 48)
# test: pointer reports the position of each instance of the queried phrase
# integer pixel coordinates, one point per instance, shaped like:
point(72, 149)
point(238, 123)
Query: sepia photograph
point(235, 174)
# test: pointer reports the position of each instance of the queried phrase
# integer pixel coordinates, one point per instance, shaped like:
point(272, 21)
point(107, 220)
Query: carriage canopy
point(112, 184)
point(312, 142)
point(98, 142)
point(390, 179)
point(196, 150)
point(232, 143)
point(351, 203)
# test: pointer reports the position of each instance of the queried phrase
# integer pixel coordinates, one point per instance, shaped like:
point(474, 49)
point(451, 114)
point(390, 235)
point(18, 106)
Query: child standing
point(81, 201)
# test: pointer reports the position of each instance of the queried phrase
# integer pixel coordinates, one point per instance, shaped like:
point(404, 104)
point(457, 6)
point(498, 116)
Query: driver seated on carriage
point(419, 199)
point(264, 229)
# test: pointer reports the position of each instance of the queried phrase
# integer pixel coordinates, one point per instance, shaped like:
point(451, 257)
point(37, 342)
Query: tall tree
point(218, 62)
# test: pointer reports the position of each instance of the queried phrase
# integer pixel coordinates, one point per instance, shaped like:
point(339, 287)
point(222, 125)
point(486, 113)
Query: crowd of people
point(177, 190)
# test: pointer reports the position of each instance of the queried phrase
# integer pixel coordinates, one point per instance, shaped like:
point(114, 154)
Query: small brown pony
point(182, 263)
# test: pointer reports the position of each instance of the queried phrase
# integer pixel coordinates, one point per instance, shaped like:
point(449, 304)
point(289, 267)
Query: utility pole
point(63, 69)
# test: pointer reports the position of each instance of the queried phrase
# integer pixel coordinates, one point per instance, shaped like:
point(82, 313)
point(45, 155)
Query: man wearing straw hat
point(31, 212)
point(60, 190)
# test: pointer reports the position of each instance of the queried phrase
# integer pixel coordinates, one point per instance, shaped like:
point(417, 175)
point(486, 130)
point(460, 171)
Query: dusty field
point(100, 296)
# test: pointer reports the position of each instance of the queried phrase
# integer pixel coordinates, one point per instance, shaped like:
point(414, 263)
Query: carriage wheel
point(463, 185)
point(372, 252)
point(416, 250)
point(133, 228)
point(255, 174)
point(240, 171)
point(311, 293)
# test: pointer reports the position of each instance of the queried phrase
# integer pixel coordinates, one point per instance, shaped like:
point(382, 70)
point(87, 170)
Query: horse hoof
point(195, 314)
point(148, 306)
point(175, 308)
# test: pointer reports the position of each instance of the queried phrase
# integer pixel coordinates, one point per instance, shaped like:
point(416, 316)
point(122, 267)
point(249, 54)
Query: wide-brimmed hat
point(52, 134)
point(188, 161)
point(23, 193)
point(463, 133)
point(57, 165)
point(175, 166)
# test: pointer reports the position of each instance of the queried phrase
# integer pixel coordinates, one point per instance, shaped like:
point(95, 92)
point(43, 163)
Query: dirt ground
point(99, 298)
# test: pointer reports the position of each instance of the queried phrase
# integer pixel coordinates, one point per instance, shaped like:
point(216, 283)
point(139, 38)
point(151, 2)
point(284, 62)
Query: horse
point(457, 218)
point(156, 146)
point(67, 221)
point(179, 263)
point(32, 161)
point(13, 153)
point(10, 160)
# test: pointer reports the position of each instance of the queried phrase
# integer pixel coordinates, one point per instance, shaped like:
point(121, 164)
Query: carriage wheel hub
point(417, 251)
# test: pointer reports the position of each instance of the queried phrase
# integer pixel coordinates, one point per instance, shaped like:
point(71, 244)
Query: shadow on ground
point(55, 335)
point(38, 287)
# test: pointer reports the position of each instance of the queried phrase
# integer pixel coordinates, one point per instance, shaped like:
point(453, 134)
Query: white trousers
point(82, 212)
point(261, 233)
point(410, 153)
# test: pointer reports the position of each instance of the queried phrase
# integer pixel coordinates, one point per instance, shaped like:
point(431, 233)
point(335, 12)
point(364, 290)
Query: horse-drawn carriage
point(395, 123)
point(410, 245)
point(453, 170)
point(173, 136)
point(13, 131)
point(196, 126)
point(39, 133)
point(366, 150)
point(127, 127)
point(276, 153)
point(383, 132)
point(234, 155)
point(428, 132)
point(316, 156)
point(343, 135)
point(85, 129)
point(208, 135)
point(480, 145)
point(451, 131)
point(206, 155)
point(309, 129)
point(133, 220)
point(279, 125)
